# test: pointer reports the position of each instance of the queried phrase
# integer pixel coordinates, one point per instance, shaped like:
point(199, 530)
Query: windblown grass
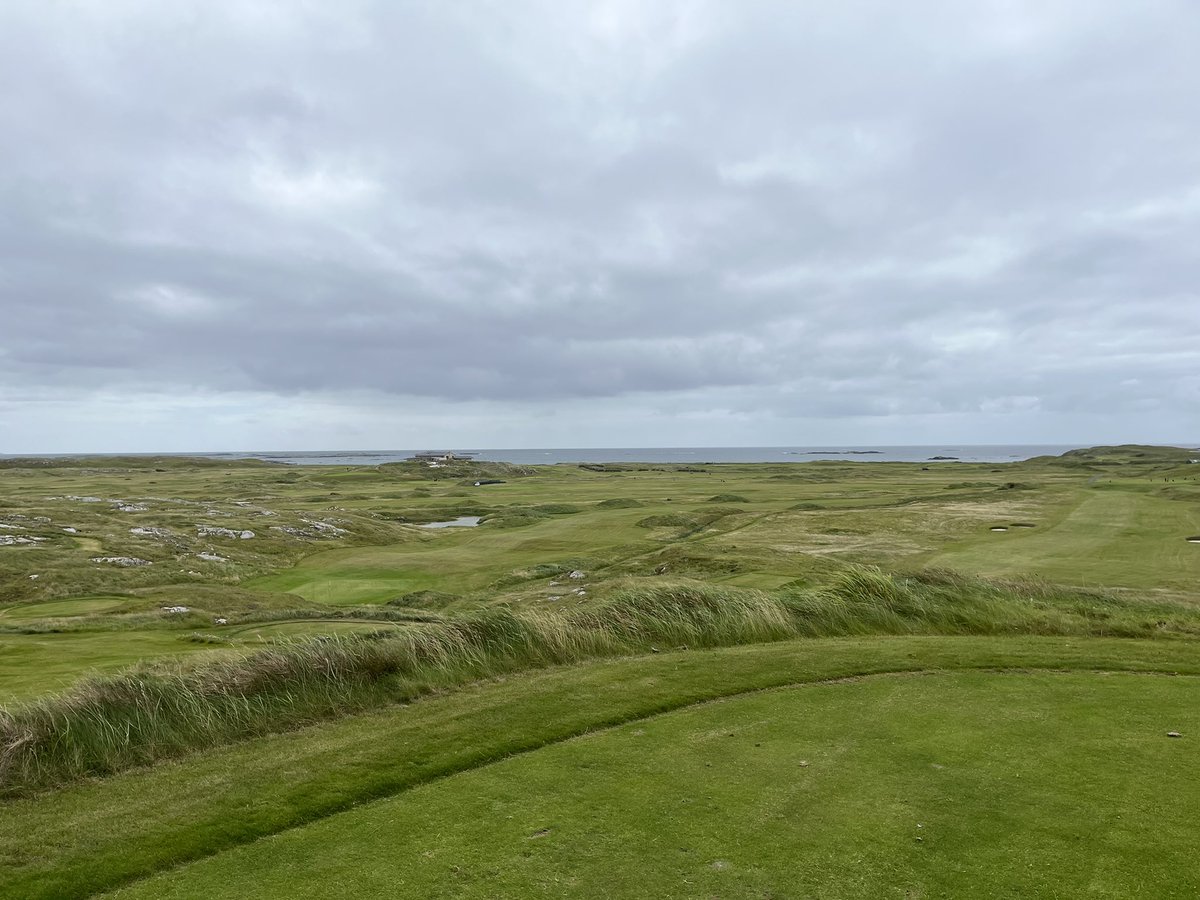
point(154, 712)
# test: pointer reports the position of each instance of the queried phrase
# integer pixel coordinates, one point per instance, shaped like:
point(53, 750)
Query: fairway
point(956, 785)
point(1119, 537)
point(35, 665)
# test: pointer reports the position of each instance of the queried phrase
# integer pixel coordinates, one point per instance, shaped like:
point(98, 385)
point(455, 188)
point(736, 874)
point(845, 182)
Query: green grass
point(108, 724)
point(933, 785)
point(36, 665)
point(53, 609)
point(301, 628)
point(1116, 537)
point(294, 702)
point(160, 817)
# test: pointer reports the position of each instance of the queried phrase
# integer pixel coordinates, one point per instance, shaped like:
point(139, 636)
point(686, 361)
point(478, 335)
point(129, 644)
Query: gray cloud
point(756, 221)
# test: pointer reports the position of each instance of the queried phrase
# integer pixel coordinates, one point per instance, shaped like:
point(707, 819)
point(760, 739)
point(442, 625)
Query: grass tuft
point(154, 712)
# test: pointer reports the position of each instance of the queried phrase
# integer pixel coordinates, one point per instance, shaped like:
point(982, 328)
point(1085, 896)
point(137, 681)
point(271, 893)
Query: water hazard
point(460, 522)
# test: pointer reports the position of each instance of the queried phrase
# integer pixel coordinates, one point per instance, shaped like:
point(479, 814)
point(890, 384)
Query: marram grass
point(159, 711)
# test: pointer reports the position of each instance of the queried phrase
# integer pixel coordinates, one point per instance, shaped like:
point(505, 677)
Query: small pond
point(460, 522)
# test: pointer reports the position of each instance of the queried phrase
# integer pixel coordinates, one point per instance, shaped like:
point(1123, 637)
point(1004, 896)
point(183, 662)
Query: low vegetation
point(286, 606)
point(112, 723)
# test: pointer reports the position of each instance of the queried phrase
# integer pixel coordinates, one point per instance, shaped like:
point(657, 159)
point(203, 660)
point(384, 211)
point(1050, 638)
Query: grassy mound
point(668, 520)
point(619, 503)
point(112, 723)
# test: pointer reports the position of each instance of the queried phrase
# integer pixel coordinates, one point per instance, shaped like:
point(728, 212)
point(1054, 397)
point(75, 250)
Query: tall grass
point(158, 711)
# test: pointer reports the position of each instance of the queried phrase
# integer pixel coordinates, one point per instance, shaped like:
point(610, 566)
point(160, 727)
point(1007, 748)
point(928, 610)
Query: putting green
point(51, 609)
point(966, 784)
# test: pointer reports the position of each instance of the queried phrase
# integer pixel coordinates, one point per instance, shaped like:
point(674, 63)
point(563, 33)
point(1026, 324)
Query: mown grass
point(112, 723)
point(960, 784)
point(159, 817)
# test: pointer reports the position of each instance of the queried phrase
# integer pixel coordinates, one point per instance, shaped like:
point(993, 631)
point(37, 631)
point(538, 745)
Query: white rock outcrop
point(128, 562)
point(150, 531)
point(8, 540)
point(219, 531)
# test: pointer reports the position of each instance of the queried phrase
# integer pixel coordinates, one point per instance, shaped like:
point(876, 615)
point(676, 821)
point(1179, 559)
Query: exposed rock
point(218, 531)
point(126, 561)
point(325, 527)
point(176, 610)
point(577, 575)
point(8, 540)
point(211, 557)
point(150, 531)
point(257, 510)
point(1174, 734)
point(294, 532)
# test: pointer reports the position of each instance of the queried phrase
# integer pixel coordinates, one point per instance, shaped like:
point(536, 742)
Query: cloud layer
point(629, 223)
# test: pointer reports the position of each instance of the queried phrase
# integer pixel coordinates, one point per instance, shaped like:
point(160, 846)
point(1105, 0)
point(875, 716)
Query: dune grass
point(116, 722)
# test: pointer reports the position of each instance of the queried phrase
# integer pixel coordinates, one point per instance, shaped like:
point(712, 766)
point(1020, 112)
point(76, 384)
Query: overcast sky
point(318, 225)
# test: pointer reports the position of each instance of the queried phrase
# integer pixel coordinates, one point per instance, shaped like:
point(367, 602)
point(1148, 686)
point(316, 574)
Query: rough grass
point(112, 723)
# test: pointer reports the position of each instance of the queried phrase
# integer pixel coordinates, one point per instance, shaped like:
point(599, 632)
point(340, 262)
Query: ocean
point(551, 455)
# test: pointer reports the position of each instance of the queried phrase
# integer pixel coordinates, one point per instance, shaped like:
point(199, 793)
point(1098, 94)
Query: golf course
point(832, 678)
